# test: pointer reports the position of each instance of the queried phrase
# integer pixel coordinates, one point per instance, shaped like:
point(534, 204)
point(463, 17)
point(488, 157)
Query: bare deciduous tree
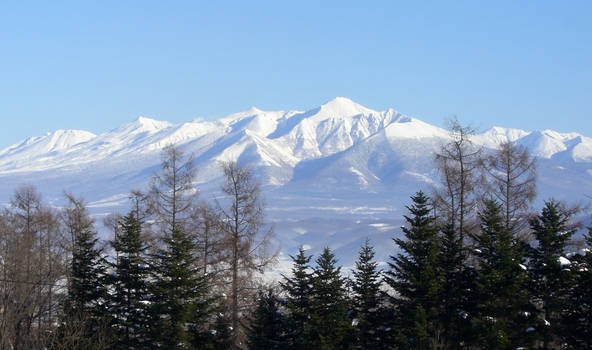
point(458, 163)
point(172, 194)
point(247, 245)
point(71, 333)
point(205, 221)
point(512, 182)
point(31, 269)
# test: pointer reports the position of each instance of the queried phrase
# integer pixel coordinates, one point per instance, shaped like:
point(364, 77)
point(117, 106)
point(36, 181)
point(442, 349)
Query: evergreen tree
point(547, 275)
point(180, 306)
point(179, 302)
point(298, 291)
point(266, 330)
point(85, 308)
point(87, 292)
point(331, 327)
point(368, 321)
point(129, 286)
point(577, 323)
point(222, 333)
point(503, 313)
point(456, 297)
point(415, 277)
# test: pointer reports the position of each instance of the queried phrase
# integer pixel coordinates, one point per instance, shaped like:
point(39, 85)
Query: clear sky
point(96, 65)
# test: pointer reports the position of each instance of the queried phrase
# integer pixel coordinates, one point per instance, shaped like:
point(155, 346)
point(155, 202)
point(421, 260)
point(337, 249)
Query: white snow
point(340, 162)
point(564, 261)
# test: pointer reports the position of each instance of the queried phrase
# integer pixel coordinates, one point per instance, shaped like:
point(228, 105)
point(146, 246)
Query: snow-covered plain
point(332, 176)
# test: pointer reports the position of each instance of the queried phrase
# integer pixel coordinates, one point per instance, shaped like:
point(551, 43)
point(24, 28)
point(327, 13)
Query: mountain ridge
point(319, 132)
point(339, 163)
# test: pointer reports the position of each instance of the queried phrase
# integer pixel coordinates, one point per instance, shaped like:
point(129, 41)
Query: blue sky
point(96, 65)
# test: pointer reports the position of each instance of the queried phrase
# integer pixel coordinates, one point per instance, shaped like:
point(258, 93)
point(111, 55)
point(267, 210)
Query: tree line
point(474, 269)
point(437, 293)
point(178, 273)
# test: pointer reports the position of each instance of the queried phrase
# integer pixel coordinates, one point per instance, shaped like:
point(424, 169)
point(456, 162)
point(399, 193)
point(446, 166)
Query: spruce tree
point(456, 296)
point(415, 277)
point(129, 286)
point(577, 322)
point(298, 292)
point(331, 326)
point(179, 292)
point(548, 276)
point(367, 306)
point(267, 326)
point(85, 309)
point(180, 305)
point(222, 338)
point(503, 313)
point(87, 292)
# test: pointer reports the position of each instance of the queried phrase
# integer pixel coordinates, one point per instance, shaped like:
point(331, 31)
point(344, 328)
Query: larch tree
point(459, 163)
point(32, 264)
point(172, 194)
point(205, 221)
point(247, 244)
point(512, 182)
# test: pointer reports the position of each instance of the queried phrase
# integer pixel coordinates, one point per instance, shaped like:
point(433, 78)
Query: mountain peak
point(254, 110)
point(142, 124)
point(158, 124)
point(344, 106)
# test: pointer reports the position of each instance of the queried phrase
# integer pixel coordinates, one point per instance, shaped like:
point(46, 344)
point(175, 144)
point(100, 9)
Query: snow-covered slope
point(332, 175)
point(37, 150)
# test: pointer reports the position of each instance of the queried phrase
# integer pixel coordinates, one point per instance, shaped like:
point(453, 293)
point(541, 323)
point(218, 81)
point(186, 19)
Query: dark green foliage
point(87, 292)
point(415, 277)
point(267, 328)
point(503, 314)
point(179, 293)
point(331, 326)
point(577, 322)
point(298, 290)
point(442, 294)
point(85, 309)
point(548, 278)
point(456, 297)
point(129, 286)
point(222, 338)
point(367, 302)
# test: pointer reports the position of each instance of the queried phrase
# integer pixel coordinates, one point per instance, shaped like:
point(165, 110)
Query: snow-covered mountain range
point(333, 175)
